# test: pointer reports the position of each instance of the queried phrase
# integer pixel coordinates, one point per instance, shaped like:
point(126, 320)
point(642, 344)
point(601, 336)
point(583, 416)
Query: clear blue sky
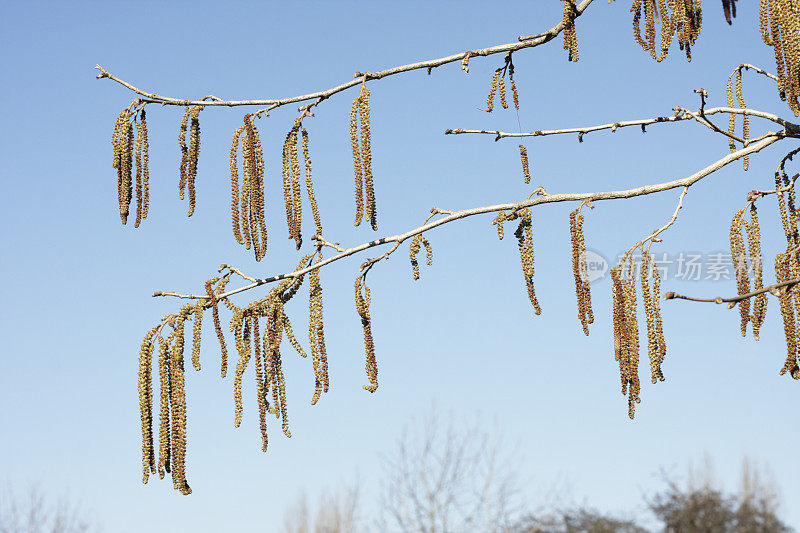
point(77, 283)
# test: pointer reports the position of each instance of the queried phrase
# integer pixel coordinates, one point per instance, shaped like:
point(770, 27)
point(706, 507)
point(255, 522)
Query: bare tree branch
point(528, 42)
point(511, 206)
point(681, 114)
point(772, 289)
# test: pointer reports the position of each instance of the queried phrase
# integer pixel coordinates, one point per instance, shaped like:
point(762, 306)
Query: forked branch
point(448, 217)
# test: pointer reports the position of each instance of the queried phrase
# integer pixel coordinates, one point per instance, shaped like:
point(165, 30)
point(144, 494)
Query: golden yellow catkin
point(296, 198)
point(678, 17)
point(184, 168)
point(164, 379)
point(146, 403)
point(754, 250)
point(357, 164)
point(370, 210)
point(260, 392)
point(649, 303)
point(524, 235)
point(570, 37)
point(362, 308)
point(661, 344)
point(291, 184)
point(212, 298)
point(316, 334)
point(632, 339)
point(413, 251)
point(198, 326)
point(312, 199)
point(141, 154)
point(498, 221)
point(783, 273)
point(780, 28)
point(502, 89)
point(234, 167)
point(122, 141)
point(252, 196)
point(745, 118)
point(178, 403)
point(523, 155)
point(241, 335)
point(493, 90)
point(732, 117)
point(739, 258)
point(618, 315)
point(514, 93)
point(580, 270)
point(194, 153)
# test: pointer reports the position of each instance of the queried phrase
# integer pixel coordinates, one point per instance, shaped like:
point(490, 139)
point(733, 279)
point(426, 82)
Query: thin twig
point(530, 202)
point(772, 289)
point(682, 114)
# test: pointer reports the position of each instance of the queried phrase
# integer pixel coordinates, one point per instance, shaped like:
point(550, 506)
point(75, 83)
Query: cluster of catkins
point(626, 327)
point(732, 118)
point(362, 159)
point(780, 28)
point(252, 342)
point(787, 265)
point(130, 149)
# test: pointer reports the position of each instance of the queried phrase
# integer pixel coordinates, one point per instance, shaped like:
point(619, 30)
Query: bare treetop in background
point(780, 29)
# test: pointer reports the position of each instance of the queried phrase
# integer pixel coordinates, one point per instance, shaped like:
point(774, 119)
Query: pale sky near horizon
point(462, 339)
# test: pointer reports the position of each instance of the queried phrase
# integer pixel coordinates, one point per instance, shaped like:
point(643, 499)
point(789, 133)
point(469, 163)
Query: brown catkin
point(580, 270)
point(217, 326)
point(514, 93)
point(122, 141)
point(142, 157)
point(632, 338)
point(739, 257)
point(732, 117)
point(312, 199)
point(498, 221)
point(178, 402)
point(146, 403)
point(661, 344)
point(754, 250)
point(260, 392)
point(413, 251)
point(297, 203)
point(241, 333)
point(165, 385)
point(184, 168)
point(678, 17)
point(362, 308)
point(194, 152)
point(357, 164)
point(252, 194)
point(523, 155)
point(745, 118)
point(493, 90)
point(235, 184)
point(198, 326)
point(783, 273)
point(370, 211)
point(316, 335)
point(524, 235)
point(650, 317)
point(570, 37)
point(502, 89)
